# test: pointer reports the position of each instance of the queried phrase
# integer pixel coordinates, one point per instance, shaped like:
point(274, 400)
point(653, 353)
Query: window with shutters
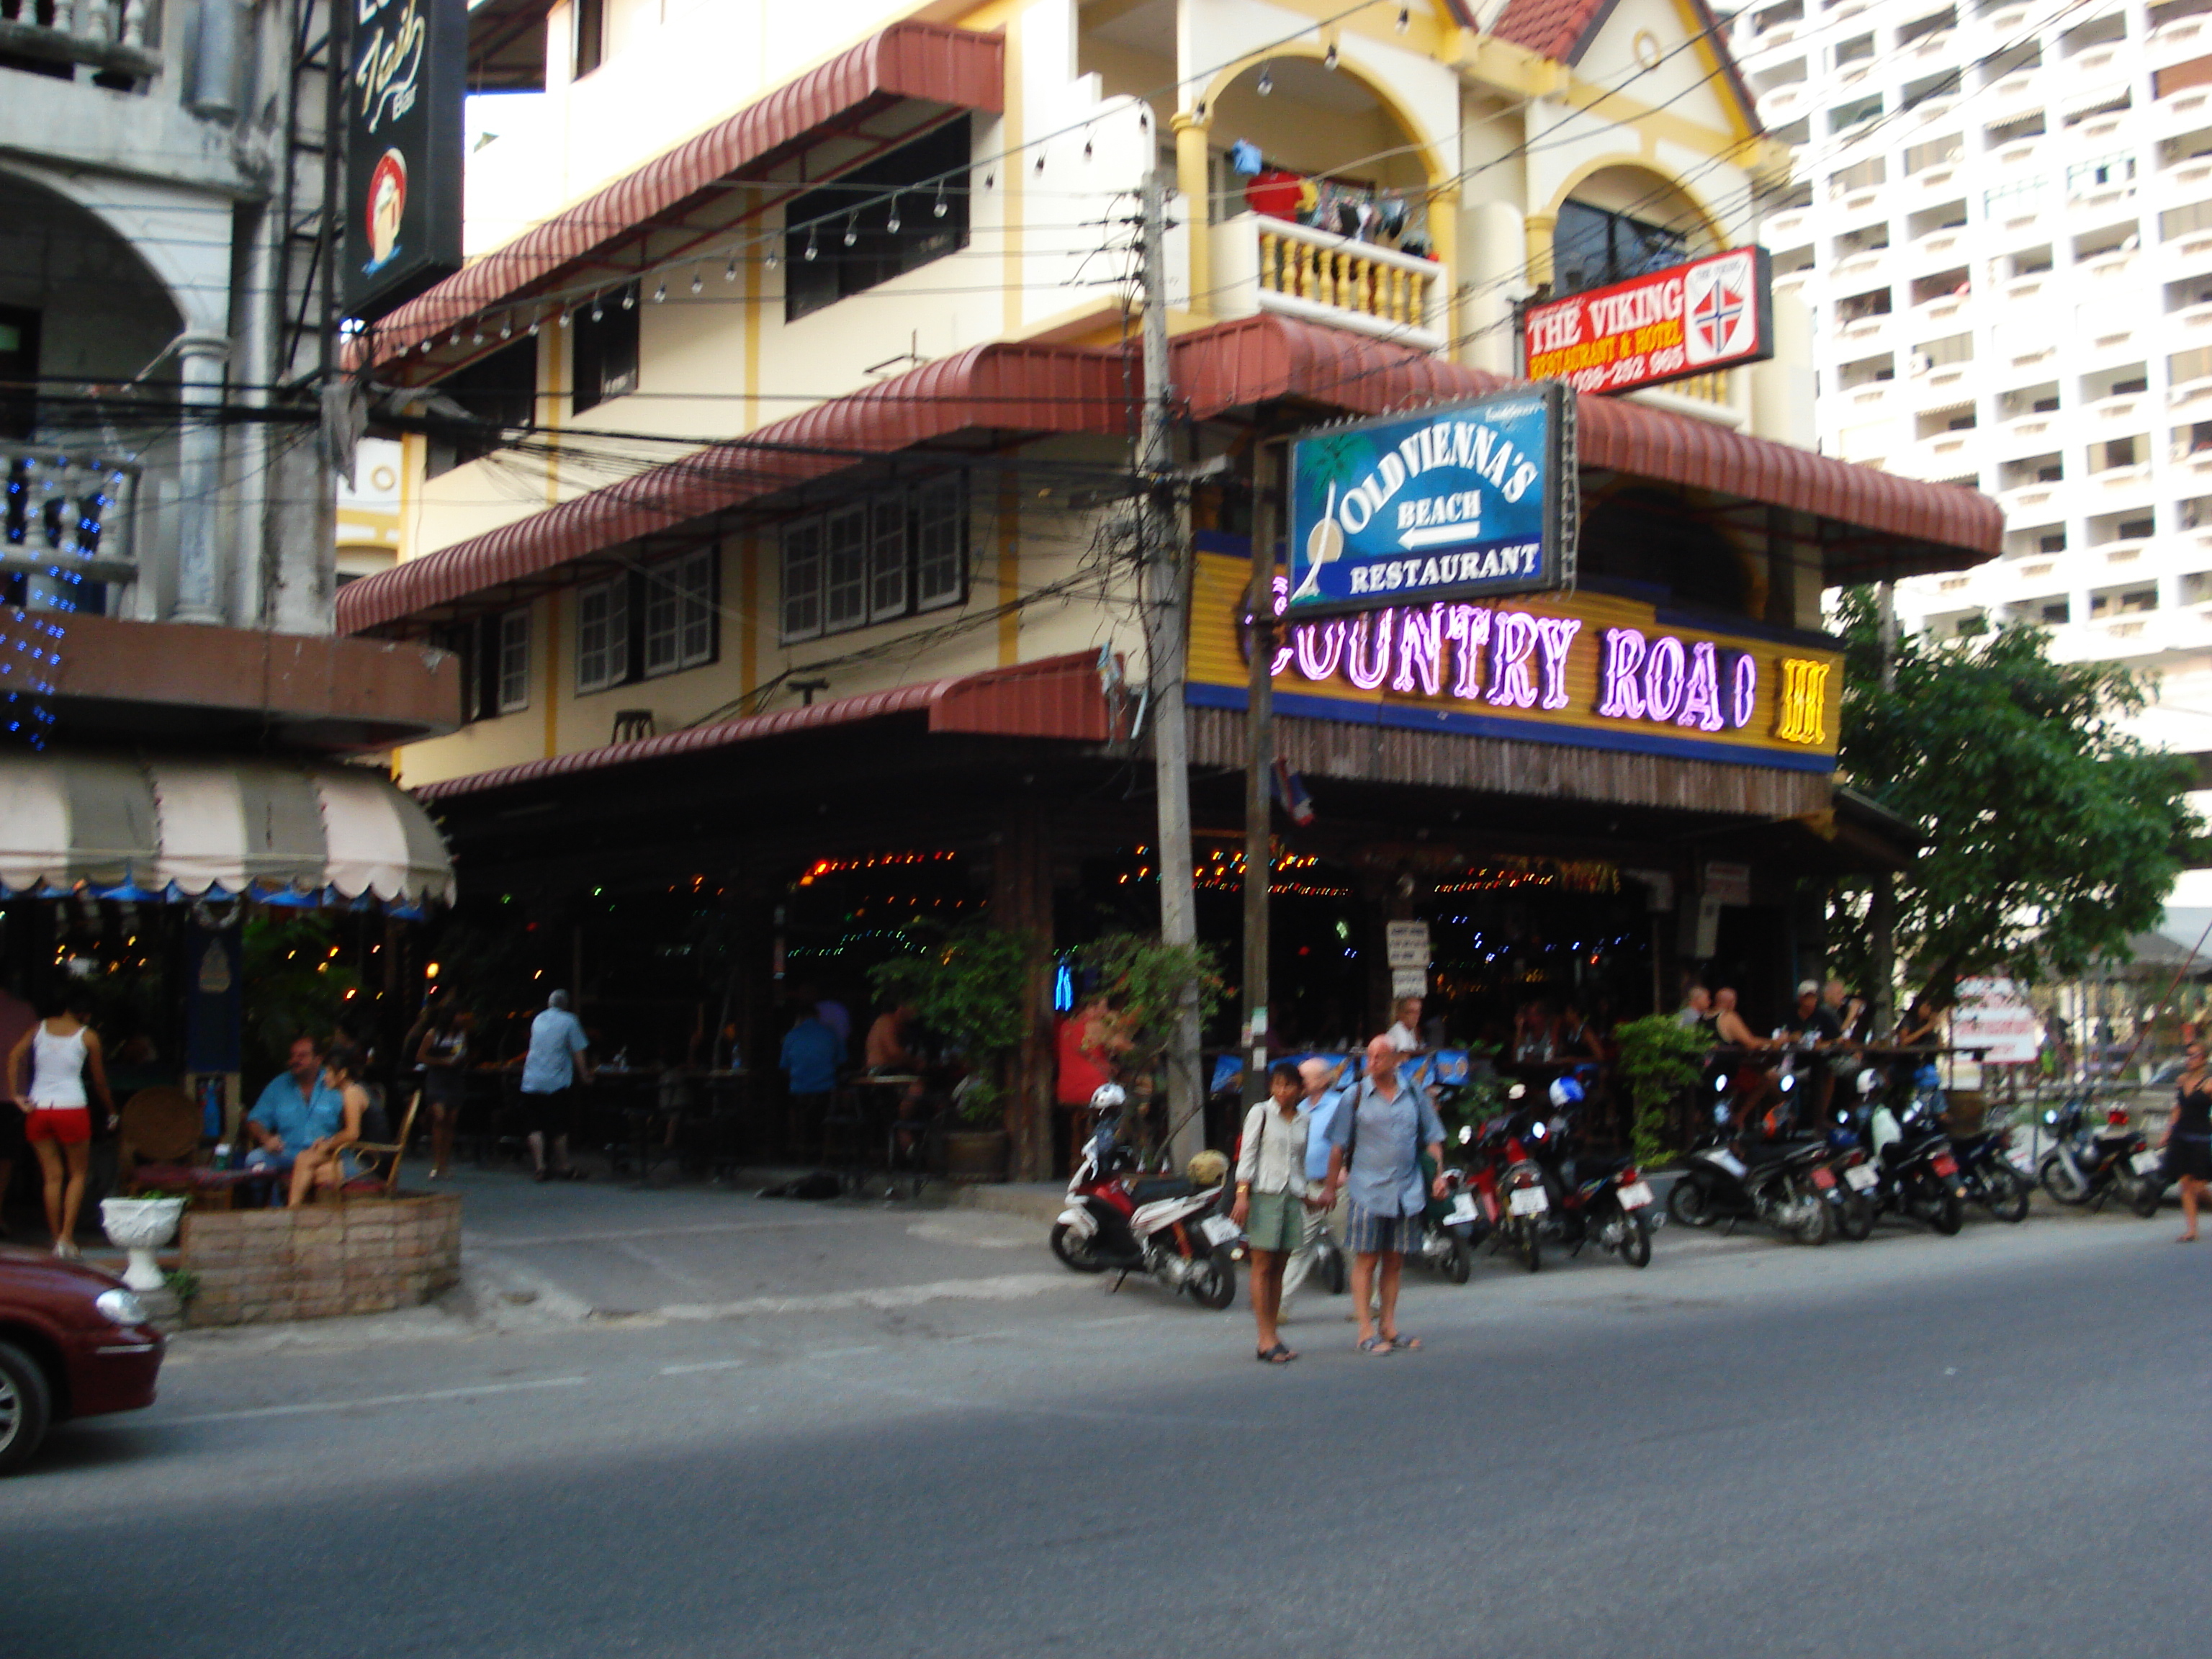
point(679, 613)
point(511, 691)
point(603, 635)
point(875, 559)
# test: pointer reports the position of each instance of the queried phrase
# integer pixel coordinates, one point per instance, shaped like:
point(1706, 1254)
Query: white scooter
point(1174, 1229)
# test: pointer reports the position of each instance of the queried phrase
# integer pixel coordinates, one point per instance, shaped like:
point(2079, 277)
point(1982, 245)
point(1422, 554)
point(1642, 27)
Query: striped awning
point(165, 827)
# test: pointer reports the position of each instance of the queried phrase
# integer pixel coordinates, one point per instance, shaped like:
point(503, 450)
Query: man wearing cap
point(1814, 1024)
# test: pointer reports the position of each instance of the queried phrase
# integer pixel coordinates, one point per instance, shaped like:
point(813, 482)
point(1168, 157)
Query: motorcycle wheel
point(1075, 1254)
point(1530, 1246)
point(1814, 1225)
point(1212, 1282)
point(1946, 1215)
point(1635, 1241)
point(1687, 1203)
point(2060, 1183)
point(1459, 1266)
point(2008, 1202)
point(1855, 1219)
point(2147, 1197)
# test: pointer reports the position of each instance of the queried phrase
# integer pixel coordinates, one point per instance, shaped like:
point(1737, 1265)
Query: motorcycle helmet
point(1869, 1084)
point(1109, 1097)
point(1208, 1168)
point(1566, 1091)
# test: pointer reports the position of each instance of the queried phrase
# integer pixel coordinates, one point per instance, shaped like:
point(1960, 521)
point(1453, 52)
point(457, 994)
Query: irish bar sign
point(1664, 326)
point(1456, 502)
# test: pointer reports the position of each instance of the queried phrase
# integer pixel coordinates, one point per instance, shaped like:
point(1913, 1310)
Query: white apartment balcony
point(1272, 265)
point(2026, 290)
point(2190, 256)
point(2191, 471)
point(2190, 397)
point(1941, 384)
point(2116, 266)
point(1862, 401)
point(2097, 58)
point(1945, 455)
point(1866, 334)
point(1784, 103)
point(1935, 109)
point(2183, 111)
point(2179, 41)
point(2031, 503)
point(1865, 264)
point(2107, 556)
point(83, 528)
point(2026, 433)
point(2118, 485)
point(2012, 97)
point(108, 36)
point(2090, 207)
point(2188, 182)
point(2126, 406)
point(1945, 311)
point(2006, 23)
point(1788, 229)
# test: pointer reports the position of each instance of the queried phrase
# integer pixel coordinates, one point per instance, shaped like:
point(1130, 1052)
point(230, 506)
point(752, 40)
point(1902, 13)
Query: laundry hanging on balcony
point(1354, 212)
point(161, 828)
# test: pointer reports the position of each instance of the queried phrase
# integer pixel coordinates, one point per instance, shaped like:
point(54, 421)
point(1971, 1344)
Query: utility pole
point(1259, 760)
point(1165, 572)
point(1881, 902)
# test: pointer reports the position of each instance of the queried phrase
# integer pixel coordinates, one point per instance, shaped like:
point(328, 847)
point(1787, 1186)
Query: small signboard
point(1663, 325)
point(403, 151)
point(1462, 501)
point(1994, 1017)
point(1409, 982)
point(1728, 883)
point(1408, 946)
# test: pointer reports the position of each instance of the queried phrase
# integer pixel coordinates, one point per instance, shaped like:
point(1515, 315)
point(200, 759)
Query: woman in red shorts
point(48, 1071)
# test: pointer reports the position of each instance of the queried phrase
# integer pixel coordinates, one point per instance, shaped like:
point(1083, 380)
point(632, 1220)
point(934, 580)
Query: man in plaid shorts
point(1375, 1153)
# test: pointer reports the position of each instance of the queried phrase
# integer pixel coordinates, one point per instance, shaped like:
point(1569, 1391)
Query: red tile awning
point(959, 68)
point(1058, 697)
point(1903, 525)
point(1001, 386)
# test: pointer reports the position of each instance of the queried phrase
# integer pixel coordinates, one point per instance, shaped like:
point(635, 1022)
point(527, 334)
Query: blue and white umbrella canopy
point(169, 828)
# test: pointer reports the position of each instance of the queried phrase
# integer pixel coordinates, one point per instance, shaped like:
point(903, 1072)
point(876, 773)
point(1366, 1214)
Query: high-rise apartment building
point(2001, 218)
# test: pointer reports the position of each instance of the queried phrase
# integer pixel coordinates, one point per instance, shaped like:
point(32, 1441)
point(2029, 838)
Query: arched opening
point(1620, 221)
point(77, 305)
point(1320, 124)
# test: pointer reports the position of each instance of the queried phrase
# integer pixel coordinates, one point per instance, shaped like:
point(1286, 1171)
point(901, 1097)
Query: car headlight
point(120, 1306)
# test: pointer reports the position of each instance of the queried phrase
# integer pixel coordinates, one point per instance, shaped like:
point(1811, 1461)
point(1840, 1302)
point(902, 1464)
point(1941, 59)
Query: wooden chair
point(383, 1185)
point(159, 1125)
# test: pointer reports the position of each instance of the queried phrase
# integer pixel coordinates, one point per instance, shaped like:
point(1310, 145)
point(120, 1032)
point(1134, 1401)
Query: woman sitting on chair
point(325, 1163)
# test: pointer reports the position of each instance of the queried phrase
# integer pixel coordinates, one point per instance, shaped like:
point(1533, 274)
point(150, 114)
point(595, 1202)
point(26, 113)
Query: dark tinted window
point(500, 391)
point(1591, 247)
point(930, 216)
point(606, 347)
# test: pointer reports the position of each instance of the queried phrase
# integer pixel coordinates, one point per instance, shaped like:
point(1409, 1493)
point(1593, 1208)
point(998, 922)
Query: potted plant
point(972, 989)
point(1143, 986)
point(141, 1226)
point(1659, 1058)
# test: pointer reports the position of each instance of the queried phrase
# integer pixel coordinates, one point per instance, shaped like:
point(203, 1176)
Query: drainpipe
point(214, 62)
point(200, 360)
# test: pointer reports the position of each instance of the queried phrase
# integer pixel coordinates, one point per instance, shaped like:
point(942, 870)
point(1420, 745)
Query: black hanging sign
point(408, 74)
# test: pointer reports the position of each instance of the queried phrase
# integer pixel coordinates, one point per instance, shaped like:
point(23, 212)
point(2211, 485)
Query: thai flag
point(1290, 792)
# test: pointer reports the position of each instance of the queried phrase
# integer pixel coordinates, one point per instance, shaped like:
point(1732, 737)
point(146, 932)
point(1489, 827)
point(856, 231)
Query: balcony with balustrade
point(1262, 263)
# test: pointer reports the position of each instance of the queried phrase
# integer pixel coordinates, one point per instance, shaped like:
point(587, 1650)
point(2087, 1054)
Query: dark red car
point(73, 1343)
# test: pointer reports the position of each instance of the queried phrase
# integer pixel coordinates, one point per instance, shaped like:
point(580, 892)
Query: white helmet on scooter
point(1109, 1097)
point(1870, 1082)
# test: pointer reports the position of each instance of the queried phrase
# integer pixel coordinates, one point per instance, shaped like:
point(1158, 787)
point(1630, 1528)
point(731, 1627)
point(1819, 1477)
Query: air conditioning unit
point(1918, 364)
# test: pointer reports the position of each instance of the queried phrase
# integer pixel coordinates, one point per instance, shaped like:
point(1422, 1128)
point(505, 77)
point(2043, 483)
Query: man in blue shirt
point(297, 1109)
point(1385, 1125)
point(1326, 1093)
point(550, 1073)
point(813, 1054)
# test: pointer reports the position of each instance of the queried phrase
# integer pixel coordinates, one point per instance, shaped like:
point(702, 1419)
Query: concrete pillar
point(1192, 181)
point(200, 360)
point(1494, 257)
point(1538, 228)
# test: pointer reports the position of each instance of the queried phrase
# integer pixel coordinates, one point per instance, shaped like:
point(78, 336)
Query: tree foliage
point(1659, 1058)
point(2050, 834)
point(1142, 983)
point(971, 988)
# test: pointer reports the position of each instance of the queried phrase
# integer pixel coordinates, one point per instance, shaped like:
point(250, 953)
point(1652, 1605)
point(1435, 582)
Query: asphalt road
point(1966, 1446)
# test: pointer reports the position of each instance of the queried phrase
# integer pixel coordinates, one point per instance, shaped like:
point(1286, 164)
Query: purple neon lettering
point(1420, 649)
point(1512, 637)
point(1319, 647)
point(1282, 652)
point(1663, 673)
point(1743, 689)
point(1554, 636)
point(1624, 661)
point(1363, 667)
point(1701, 693)
point(1470, 625)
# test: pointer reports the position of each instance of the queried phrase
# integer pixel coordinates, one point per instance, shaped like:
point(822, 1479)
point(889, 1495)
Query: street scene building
point(1997, 217)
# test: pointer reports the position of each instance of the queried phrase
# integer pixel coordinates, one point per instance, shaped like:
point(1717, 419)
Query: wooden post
point(1021, 899)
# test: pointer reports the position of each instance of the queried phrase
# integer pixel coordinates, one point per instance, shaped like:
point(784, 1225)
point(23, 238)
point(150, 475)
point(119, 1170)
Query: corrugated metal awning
point(1058, 697)
point(957, 68)
point(168, 827)
point(1040, 388)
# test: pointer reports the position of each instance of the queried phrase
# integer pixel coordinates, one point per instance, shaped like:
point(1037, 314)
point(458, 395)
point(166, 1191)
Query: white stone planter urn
point(141, 1226)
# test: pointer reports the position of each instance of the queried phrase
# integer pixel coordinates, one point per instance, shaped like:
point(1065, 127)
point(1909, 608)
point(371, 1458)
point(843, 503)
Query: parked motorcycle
point(1781, 1184)
point(1596, 1196)
point(1989, 1175)
point(1447, 1230)
point(1919, 1173)
point(2086, 1164)
point(1174, 1229)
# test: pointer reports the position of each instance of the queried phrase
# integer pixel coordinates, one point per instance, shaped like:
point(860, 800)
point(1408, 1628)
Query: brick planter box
point(367, 1255)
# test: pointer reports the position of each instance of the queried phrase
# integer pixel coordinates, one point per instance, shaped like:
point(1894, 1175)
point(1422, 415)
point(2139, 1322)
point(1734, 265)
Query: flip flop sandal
point(1277, 1355)
point(1376, 1346)
point(1410, 1343)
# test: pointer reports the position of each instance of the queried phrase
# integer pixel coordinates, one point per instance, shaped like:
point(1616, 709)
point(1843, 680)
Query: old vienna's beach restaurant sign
point(1587, 669)
point(1452, 503)
point(1664, 326)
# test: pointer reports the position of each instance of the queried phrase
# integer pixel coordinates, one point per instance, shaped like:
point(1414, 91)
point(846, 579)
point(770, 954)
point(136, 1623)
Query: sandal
point(1410, 1343)
point(1376, 1346)
point(571, 1173)
point(1277, 1355)
point(543, 1175)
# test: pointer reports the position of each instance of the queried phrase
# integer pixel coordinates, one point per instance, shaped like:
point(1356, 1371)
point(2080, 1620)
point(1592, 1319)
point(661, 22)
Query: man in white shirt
point(1271, 1192)
point(1406, 1035)
point(550, 1070)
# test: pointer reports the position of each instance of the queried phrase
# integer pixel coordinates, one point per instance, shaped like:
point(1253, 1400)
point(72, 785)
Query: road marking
point(841, 1353)
point(476, 1241)
point(1003, 1287)
point(364, 1404)
point(979, 1336)
point(704, 1365)
point(1116, 1319)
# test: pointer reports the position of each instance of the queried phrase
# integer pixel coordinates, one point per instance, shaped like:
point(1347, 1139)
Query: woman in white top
point(1271, 1197)
point(48, 1071)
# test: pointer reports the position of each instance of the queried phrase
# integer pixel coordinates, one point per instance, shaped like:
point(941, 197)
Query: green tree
point(2049, 835)
point(1659, 1060)
point(970, 987)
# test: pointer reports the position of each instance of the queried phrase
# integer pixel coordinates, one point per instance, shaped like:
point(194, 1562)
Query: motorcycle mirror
point(1465, 1136)
point(1517, 1091)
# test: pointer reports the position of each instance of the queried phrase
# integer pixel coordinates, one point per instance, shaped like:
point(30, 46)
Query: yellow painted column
point(552, 674)
point(1010, 574)
point(748, 620)
point(1191, 180)
point(1539, 228)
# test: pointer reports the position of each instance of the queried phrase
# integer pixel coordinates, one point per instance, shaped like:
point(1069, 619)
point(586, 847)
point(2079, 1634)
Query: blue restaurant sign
point(1468, 500)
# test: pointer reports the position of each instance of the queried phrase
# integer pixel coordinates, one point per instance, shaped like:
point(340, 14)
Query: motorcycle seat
point(1153, 1189)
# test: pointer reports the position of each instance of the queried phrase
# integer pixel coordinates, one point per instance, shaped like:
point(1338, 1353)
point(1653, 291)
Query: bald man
point(1377, 1144)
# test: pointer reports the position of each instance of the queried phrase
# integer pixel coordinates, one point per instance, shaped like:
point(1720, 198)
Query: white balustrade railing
point(65, 522)
point(117, 35)
point(1262, 263)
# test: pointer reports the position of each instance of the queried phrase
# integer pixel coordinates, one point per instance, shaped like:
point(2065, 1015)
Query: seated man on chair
point(297, 1109)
